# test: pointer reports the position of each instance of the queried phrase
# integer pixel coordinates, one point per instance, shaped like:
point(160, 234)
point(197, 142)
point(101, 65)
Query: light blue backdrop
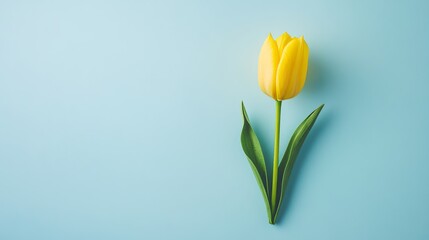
point(121, 120)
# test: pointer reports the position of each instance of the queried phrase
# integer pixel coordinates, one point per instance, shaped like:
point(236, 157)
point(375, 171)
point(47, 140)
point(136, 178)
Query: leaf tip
point(319, 109)
point(243, 110)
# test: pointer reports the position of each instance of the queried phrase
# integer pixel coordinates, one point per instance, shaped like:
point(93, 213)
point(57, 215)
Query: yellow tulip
point(282, 66)
point(282, 69)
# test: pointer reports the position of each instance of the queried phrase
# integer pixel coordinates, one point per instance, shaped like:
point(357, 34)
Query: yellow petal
point(292, 69)
point(284, 71)
point(267, 66)
point(301, 73)
point(282, 41)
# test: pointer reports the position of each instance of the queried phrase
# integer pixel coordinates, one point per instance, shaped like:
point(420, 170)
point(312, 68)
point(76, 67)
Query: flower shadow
point(319, 79)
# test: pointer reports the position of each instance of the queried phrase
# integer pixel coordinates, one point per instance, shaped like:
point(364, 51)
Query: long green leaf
point(252, 149)
point(292, 151)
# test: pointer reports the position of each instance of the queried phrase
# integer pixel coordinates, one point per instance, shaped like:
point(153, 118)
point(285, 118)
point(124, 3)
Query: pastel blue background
point(121, 120)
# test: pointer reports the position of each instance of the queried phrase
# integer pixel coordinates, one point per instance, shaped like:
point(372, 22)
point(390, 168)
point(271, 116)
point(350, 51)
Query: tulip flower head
point(282, 66)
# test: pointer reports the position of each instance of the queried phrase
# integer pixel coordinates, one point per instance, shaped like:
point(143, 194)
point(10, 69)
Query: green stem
point(276, 155)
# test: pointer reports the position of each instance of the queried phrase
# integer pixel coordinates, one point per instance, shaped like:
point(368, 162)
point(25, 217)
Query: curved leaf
point(253, 151)
point(292, 151)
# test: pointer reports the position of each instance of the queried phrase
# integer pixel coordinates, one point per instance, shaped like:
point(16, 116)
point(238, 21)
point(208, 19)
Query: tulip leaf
point(291, 154)
point(253, 151)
